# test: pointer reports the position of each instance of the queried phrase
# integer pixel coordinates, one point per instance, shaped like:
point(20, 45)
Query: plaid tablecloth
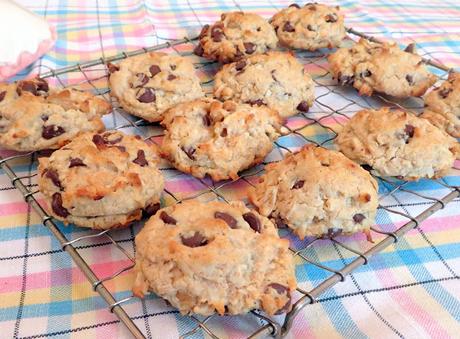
point(412, 289)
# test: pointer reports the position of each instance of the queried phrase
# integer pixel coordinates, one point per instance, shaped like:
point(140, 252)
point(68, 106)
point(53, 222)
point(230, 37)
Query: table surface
point(412, 289)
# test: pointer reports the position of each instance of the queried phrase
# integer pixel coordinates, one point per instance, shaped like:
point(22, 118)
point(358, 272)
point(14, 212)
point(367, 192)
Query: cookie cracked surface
point(101, 180)
point(317, 192)
point(214, 257)
point(147, 85)
point(384, 68)
point(234, 36)
point(310, 27)
point(35, 117)
point(275, 79)
point(397, 143)
point(206, 136)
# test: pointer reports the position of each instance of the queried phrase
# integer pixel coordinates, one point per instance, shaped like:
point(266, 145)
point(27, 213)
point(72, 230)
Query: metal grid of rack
point(317, 126)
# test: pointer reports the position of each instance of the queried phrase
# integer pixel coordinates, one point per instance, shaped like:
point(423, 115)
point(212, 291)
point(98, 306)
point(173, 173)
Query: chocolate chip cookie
point(384, 68)
point(310, 27)
point(206, 136)
point(317, 192)
point(147, 85)
point(442, 105)
point(396, 143)
point(275, 79)
point(236, 35)
point(214, 257)
point(34, 117)
point(101, 181)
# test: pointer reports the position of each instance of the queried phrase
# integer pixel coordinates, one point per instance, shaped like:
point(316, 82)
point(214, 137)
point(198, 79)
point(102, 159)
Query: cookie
point(234, 36)
point(442, 105)
point(317, 192)
point(213, 257)
point(101, 181)
point(206, 136)
point(396, 143)
point(383, 68)
point(147, 85)
point(310, 27)
point(275, 79)
point(34, 117)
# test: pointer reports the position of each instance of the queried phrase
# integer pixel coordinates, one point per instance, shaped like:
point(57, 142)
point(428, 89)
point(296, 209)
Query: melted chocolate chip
point(358, 218)
point(52, 131)
point(409, 130)
point(224, 133)
point(207, 120)
point(154, 70)
point(189, 151)
point(112, 141)
point(150, 210)
point(410, 48)
point(331, 18)
point(2, 95)
point(167, 219)
point(365, 74)
point(44, 117)
point(253, 221)
point(148, 96)
point(76, 162)
point(367, 167)
point(112, 68)
point(288, 27)
point(140, 160)
point(231, 221)
point(333, 232)
point(141, 80)
point(173, 67)
point(310, 28)
point(196, 240)
point(410, 79)
point(443, 93)
point(198, 50)
point(54, 177)
point(217, 34)
point(345, 79)
point(258, 102)
point(249, 47)
point(56, 205)
point(27, 86)
point(303, 107)
point(298, 184)
point(280, 223)
point(121, 148)
point(294, 5)
point(42, 85)
point(171, 77)
point(239, 66)
point(204, 31)
point(98, 140)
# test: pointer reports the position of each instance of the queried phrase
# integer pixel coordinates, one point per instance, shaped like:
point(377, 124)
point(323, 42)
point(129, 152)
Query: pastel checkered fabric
point(411, 289)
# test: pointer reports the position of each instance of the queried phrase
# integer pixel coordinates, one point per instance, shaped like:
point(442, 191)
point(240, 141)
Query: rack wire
point(317, 126)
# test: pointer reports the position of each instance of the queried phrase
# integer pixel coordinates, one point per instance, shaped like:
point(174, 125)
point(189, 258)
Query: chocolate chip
point(76, 162)
point(106, 136)
point(56, 205)
point(258, 102)
point(27, 86)
point(240, 65)
point(189, 151)
point(52, 131)
point(141, 80)
point(204, 31)
point(98, 197)
point(443, 93)
point(198, 50)
point(224, 133)
point(207, 120)
point(2, 95)
point(280, 289)
point(140, 160)
point(273, 71)
point(150, 210)
point(231, 221)
point(121, 148)
point(148, 96)
point(280, 223)
point(410, 79)
point(171, 77)
point(303, 107)
point(44, 117)
point(310, 28)
point(253, 221)
point(410, 48)
point(365, 74)
point(345, 79)
point(54, 177)
point(238, 53)
point(258, 29)
point(333, 232)
point(249, 47)
point(409, 130)
point(217, 34)
point(367, 167)
point(42, 85)
point(98, 140)
point(294, 5)
point(173, 67)
point(112, 68)
point(298, 184)
point(167, 219)
point(358, 218)
point(332, 17)
point(154, 70)
point(195, 240)
point(288, 27)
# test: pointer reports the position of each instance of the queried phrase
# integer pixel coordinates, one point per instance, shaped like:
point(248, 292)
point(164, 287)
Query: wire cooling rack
point(333, 106)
